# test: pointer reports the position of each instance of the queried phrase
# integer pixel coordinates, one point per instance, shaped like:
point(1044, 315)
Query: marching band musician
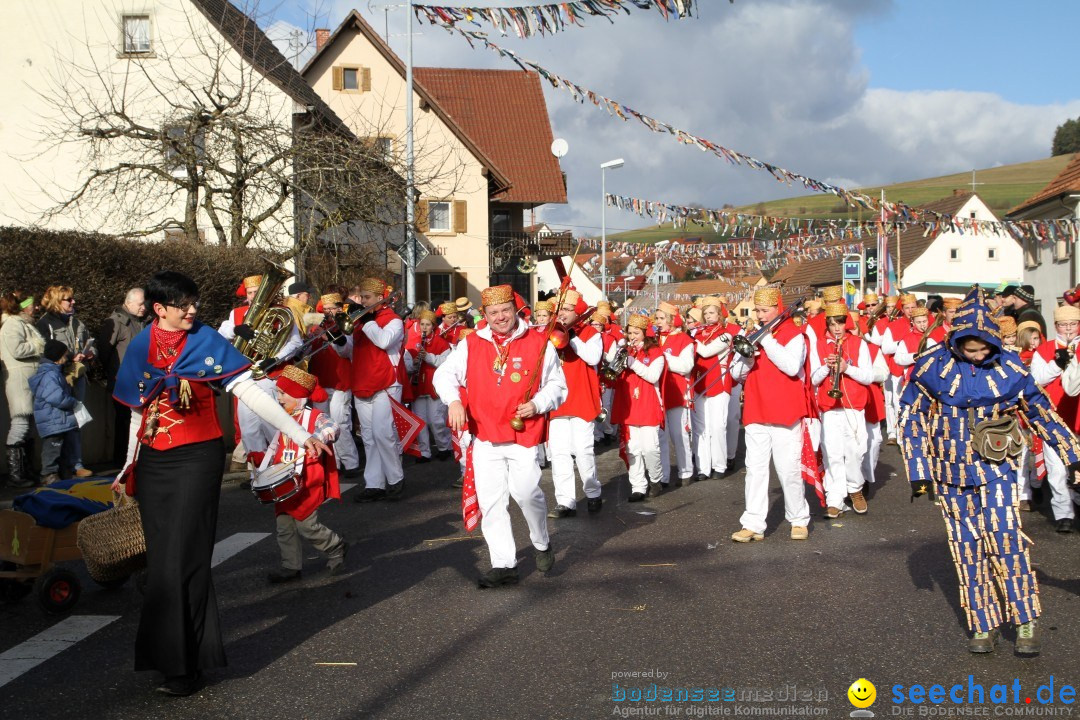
point(907, 349)
point(423, 354)
point(1047, 366)
point(734, 418)
point(875, 409)
point(248, 287)
point(375, 353)
point(949, 306)
point(452, 323)
point(638, 409)
point(603, 430)
point(542, 310)
point(960, 416)
point(570, 428)
point(842, 355)
point(712, 390)
point(335, 377)
point(678, 348)
point(891, 339)
point(298, 516)
point(497, 367)
point(774, 405)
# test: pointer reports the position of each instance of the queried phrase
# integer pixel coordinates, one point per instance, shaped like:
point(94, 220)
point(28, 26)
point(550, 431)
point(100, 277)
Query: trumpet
point(836, 392)
point(938, 322)
point(346, 319)
point(746, 345)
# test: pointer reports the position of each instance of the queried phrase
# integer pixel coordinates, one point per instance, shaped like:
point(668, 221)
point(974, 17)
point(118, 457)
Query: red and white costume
point(712, 397)
point(843, 420)
point(1047, 374)
point(607, 389)
point(377, 375)
point(775, 403)
point(891, 340)
point(425, 400)
point(875, 410)
point(335, 376)
point(638, 408)
point(678, 349)
point(570, 431)
point(505, 460)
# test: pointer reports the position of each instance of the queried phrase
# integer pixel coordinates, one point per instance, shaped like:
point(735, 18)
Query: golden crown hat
point(599, 317)
point(666, 307)
point(951, 303)
point(496, 295)
point(908, 299)
point(293, 374)
point(835, 309)
point(641, 322)
point(1066, 313)
point(919, 312)
point(571, 297)
point(711, 301)
point(331, 299)
point(1007, 325)
point(448, 307)
point(426, 315)
point(604, 305)
point(833, 293)
point(373, 285)
point(767, 296)
point(695, 314)
point(545, 305)
point(870, 297)
point(252, 281)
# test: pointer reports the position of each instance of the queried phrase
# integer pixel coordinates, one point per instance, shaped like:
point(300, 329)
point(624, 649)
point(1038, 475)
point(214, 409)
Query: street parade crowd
point(981, 401)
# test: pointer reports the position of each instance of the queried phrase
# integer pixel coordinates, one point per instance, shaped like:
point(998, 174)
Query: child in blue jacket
point(54, 413)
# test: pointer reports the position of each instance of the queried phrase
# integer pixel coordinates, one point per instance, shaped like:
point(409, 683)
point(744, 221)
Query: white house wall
point(1051, 278)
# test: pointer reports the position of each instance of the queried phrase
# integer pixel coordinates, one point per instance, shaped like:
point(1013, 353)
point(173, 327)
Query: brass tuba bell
point(271, 323)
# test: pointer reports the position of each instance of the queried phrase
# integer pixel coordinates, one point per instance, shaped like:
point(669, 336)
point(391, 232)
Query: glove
point(245, 331)
point(921, 487)
point(268, 364)
point(340, 340)
point(1061, 358)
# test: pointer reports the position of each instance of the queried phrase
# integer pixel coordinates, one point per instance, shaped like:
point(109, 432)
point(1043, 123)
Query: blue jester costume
point(962, 428)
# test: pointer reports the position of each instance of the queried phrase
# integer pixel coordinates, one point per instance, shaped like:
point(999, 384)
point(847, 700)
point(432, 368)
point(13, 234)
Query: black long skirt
point(178, 492)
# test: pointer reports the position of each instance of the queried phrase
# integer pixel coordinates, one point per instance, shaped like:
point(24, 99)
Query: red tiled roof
point(504, 112)
point(1066, 182)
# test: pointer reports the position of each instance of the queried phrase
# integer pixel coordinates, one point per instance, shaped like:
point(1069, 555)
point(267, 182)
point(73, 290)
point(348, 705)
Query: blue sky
point(853, 92)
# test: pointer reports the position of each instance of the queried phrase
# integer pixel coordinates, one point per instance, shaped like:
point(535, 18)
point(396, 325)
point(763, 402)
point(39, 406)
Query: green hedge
point(101, 268)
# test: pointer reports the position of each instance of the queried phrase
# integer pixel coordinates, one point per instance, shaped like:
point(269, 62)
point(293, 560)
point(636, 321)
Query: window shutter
point(365, 79)
point(422, 224)
point(339, 77)
point(461, 285)
point(423, 292)
point(460, 217)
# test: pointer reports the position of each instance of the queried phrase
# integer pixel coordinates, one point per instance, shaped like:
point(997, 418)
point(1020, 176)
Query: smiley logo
point(862, 693)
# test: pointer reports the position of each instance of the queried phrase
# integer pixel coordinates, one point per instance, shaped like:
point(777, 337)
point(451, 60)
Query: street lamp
point(604, 167)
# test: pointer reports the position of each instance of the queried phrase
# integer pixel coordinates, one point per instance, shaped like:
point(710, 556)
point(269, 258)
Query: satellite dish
point(560, 147)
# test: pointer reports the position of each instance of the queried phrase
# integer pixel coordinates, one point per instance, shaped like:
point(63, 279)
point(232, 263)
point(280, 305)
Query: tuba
point(272, 324)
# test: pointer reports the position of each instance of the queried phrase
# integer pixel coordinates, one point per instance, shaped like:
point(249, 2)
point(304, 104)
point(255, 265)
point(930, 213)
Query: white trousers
point(1056, 478)
point(256, 434)
point(784, 446)
point(432, 412)
point(734, 421)
point(643, 450)
point(605, 428)
point(502, 471)
point(873, 450)
point(892, 404)
point(676, 424)
point(339, 408)
point(382, 450)
point(711, 432)
point(843, 450)
point(570, 439)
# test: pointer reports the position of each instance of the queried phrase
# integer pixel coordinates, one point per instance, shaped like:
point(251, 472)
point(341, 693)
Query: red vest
point(582, 383)
point(372, 370)
point(333, 371)
point(855, 394)
point(434, 345)
point(771, 396)
point(875, 406)
point(183, 426)
point(239, 313)
point(712, 376)
point(675, 386)
point(1067, 407)
point(452, 335)
point(492, 403)
point(637, 402)
point(899, 329)
point(319, 475)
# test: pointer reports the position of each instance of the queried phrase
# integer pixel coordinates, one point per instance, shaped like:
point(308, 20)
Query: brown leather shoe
point(799, 532)
point(833, 512)
point(1025, 506)
point(745, 536)
point(858, 502)
point(83, 473)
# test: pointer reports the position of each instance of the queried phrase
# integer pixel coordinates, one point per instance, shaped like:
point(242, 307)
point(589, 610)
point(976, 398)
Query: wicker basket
point(112, 542)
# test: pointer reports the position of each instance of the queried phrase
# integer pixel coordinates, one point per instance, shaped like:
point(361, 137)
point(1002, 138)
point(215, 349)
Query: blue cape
point(206, 357)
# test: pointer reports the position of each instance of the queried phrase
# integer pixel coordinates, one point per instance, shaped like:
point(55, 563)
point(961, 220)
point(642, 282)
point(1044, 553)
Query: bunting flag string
point(531, 20)
point(1043, 231)
point(730, 222)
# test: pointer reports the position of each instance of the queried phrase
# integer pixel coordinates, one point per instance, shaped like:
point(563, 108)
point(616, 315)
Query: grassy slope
point(1003, 188)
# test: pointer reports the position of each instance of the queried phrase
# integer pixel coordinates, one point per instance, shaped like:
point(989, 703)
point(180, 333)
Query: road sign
point(852, 267)
point(421, 252)
point(871, 267)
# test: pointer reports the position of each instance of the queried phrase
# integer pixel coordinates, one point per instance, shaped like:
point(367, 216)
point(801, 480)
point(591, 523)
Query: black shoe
point(282, 575)
point(246, 485)
point(443, 455)
point(561, 511)
point(609, 439)
point(353, 473)
point(180, 685)
point(655, 489)
point(496, 577)
point(1037, 495)
point(702, 477)
point(717, 475)
point(544, 558)
point(595, 504)
point(370, 495)
point(421, 460)
point(1064, 525)
point(459, 482)
point(336, 568)
point(395, 491)
point(637, 497)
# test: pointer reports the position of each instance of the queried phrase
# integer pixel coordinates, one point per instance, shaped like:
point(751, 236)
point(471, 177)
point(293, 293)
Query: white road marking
point(225, 549)
point(48, 643)
point(346, 487)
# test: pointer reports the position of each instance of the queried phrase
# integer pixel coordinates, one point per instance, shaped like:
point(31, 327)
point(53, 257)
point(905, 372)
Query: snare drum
point(276, 483)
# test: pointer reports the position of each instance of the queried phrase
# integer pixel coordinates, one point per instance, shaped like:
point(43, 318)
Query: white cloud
point(781, 80)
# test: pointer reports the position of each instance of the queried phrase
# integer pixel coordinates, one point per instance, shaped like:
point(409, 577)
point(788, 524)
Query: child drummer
point(298, 515)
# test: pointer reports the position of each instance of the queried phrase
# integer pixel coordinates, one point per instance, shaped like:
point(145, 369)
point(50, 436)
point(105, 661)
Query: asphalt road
point(640, 594)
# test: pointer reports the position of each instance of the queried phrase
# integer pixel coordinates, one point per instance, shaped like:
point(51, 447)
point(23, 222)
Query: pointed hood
point(975, 319)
